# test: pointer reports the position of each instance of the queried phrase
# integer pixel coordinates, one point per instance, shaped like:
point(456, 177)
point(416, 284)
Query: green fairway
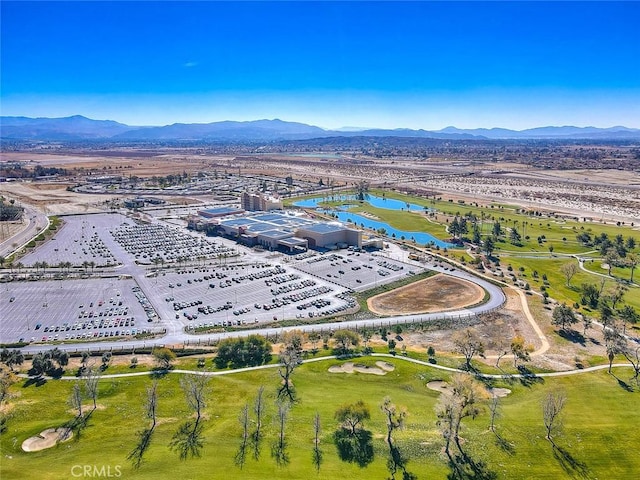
point(547, 242)
point(600, 435)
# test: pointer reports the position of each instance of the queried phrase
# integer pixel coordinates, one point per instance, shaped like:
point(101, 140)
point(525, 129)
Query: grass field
point(559, 233)
point(600, 435)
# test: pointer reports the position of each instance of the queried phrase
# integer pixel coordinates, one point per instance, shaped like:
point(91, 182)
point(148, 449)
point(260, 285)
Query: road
point(38, 223)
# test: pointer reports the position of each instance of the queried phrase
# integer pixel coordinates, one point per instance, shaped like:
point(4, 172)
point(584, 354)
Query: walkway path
point(334, 357)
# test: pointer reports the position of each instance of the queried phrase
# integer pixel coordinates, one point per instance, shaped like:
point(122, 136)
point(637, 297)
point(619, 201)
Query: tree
point(615, 344)
point(569, 270)
point(362, 190)
point(163, 357)
point(243, 418)
point(633, 357)
point(394, 418)
point(7, 378)
point(317, 452)
point(75, 400)
point(150, 407)
point(279, 447)
point(290, 357)
point(590, 295)
point(187, 440)
point(617, 294)
point(258, 410)
point(366, 337)
point(242, 352)
point(314, 338)
point(628, 314)
point(586, 323)
point(462, 401)
point(611, 258)
point(488, 246)
point(552, 406)
point(467, 343)
point(514, 236)
point(345, 339)
point(606, 313)
point(40, 364)
point(519, 350)
point(352, 416)
point(494, 409)
point(106, 360)
point(496, 229)
point(563, 315)
point(91, 379)
point(632, 262)
point(11, 357)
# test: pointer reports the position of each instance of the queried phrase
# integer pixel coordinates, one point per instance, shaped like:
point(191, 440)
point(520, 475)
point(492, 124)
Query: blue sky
point(332, 64)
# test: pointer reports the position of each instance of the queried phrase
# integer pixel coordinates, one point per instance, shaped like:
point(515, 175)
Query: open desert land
point(110, 281)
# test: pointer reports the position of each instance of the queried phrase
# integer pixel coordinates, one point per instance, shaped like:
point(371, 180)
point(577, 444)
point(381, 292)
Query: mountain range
point(78, 127)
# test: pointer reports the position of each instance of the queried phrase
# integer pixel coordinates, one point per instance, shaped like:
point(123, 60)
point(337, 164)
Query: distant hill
point(67, 128)
point(549, 132)
point(78, 127)
point(260, 130)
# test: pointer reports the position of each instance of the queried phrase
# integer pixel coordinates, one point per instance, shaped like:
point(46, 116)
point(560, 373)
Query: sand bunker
point(381, 368)
point(499, 392)
point(443, 387)
point(439, 386)
point(48, 438)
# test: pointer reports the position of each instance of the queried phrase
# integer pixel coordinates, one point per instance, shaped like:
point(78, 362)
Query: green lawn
point(531, 254)
point(600, 435)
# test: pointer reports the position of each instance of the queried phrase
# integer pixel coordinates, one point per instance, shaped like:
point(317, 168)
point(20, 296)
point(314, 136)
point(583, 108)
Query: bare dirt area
point(55, 199)
point(434, 294)
point(122, 162)
point(497, 329)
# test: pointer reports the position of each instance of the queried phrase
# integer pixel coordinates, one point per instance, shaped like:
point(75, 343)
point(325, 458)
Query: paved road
point(37, 223)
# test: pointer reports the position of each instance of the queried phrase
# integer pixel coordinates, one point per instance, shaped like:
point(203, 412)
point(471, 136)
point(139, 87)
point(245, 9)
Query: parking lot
point(358, 271)
point(246, 294)
point(196, 282)
point(69, 310)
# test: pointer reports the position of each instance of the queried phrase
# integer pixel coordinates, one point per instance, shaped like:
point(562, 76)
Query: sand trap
point(349, 367)
point(387, 367)
point(439, 386)
point(499, 392)
point(48, 438)
point(443, 387)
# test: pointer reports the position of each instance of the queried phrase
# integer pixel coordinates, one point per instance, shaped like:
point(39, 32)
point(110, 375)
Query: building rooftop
point(325, 227)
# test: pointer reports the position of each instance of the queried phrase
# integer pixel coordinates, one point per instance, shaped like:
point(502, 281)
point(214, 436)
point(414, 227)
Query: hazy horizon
point(418, 65)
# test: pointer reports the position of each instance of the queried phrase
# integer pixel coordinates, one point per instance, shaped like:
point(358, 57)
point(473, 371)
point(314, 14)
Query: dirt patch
point(381, 368)
point(434, 294)
point(48, 438)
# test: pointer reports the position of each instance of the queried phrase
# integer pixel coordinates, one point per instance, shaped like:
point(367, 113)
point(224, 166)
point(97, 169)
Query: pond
point(421, 238)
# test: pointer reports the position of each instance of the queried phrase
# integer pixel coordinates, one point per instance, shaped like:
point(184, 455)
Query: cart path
point(334, 357)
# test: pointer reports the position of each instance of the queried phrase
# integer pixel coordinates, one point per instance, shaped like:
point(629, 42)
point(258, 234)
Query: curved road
point(38, 223)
